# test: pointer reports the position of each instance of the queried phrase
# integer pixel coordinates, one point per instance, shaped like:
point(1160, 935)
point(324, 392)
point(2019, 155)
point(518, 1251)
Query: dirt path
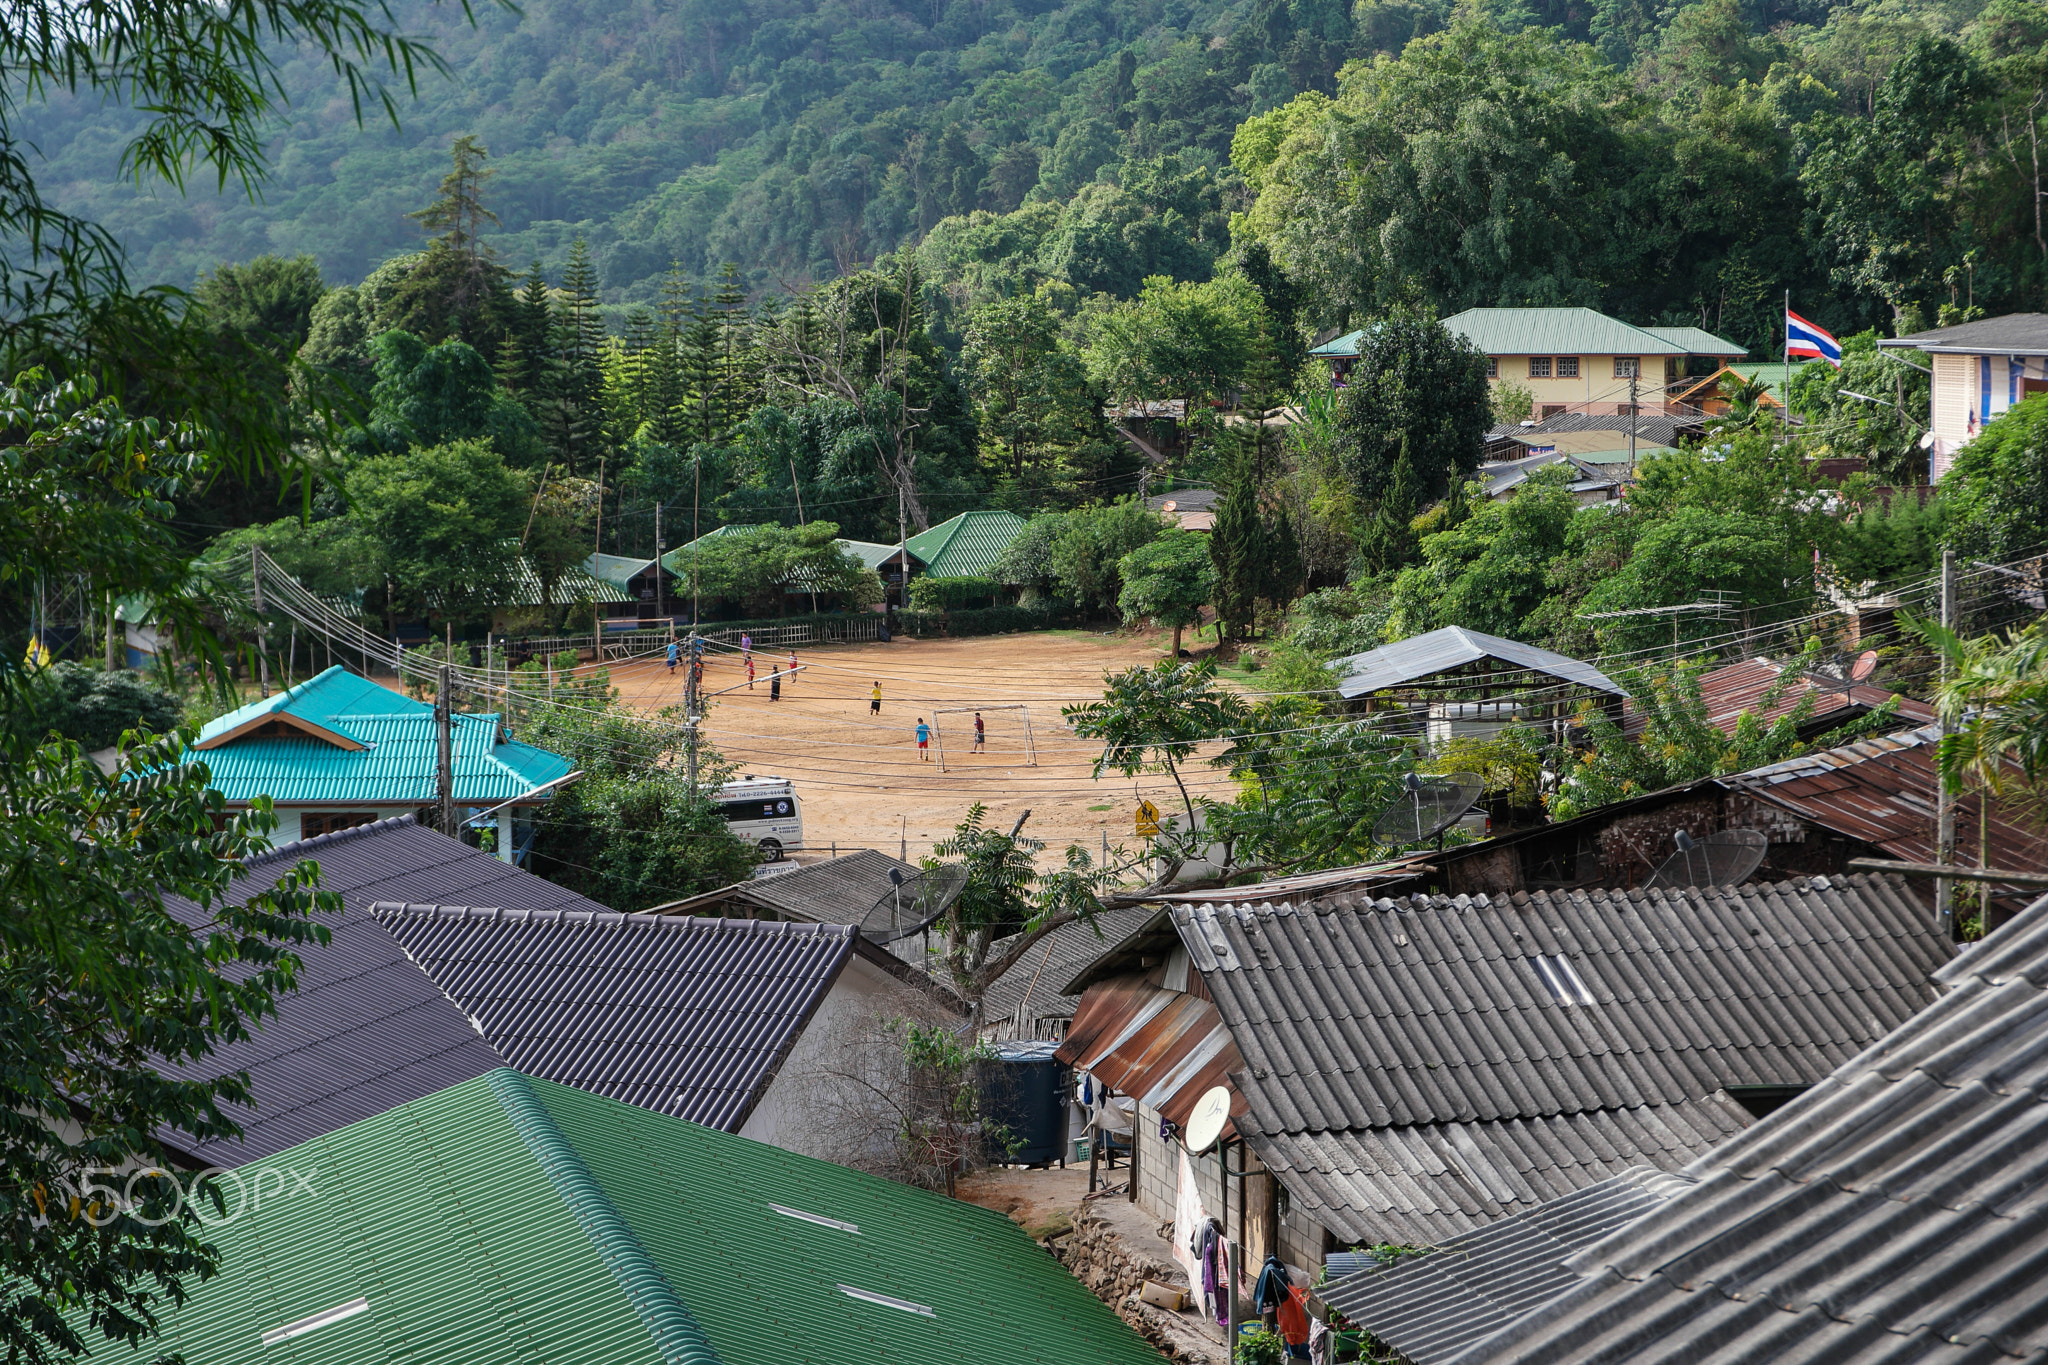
point(859, 775)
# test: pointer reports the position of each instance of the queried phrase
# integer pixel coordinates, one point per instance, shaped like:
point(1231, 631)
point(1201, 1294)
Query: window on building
point(1539, 367)
point(1624, 409)
point(1550, 410)
point(1493, 367)
point(1567, 367)
point(315, 823)
point(1627, 366)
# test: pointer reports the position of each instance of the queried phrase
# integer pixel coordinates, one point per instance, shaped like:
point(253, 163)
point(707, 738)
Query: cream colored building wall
point(1595, 390)
point(1955, 391)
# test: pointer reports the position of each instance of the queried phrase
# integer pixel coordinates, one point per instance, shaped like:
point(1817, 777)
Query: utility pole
point(1633, 380)
point(1944, 800)
point(660, 597)
point(690, 705)
point(596, 549)
point(262, 626)
point(444, 728)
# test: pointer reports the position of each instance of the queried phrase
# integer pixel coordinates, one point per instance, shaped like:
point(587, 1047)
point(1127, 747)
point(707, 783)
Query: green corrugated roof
point(968, 545)
point(511, 1219)
point(1697, 341)
point(399, 761)
point(1554, 331)
point(870, 554)
point(617, 570)
point(523, 587)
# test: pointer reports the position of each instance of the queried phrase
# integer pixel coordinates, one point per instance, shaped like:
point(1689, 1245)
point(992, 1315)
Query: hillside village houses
point(1574, 360)
point(1980, 369)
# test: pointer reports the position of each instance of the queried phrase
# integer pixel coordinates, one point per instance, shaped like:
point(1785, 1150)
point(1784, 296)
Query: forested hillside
point(1669, 164)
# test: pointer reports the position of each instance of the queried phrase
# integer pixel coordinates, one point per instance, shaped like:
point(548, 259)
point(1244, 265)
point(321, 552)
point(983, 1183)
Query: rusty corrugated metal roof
point(1730, 690)
point(1165, 1047)
point(1883, 791)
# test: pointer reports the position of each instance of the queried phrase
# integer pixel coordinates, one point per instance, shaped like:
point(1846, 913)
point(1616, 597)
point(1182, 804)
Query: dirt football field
point(860, 776)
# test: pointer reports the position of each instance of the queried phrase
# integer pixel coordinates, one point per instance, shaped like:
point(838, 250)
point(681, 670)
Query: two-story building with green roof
point(1572, 360)
point(338, 751)
point(513, 1219)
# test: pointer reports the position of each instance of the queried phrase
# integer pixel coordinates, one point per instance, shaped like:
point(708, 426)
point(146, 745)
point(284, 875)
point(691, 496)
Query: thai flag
point(1804, 339)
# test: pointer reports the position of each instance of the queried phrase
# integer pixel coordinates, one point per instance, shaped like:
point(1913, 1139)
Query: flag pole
point(1785, 371)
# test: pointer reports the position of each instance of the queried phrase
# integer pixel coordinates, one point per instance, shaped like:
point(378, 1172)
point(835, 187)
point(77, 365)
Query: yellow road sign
point(1148, 820)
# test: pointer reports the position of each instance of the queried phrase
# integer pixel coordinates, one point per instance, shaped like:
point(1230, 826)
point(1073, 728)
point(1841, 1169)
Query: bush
point(94, 707)
point(984, 621)
point(929, 595)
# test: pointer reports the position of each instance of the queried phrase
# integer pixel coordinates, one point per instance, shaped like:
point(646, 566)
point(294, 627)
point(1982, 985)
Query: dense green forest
point(1675, 163)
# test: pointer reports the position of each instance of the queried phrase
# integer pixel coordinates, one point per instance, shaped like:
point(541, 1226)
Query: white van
point(764, 810)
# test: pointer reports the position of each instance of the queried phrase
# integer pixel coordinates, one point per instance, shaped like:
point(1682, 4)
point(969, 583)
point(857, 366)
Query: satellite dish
point(912, 903)
point(1865, 665)
point(1430, 806)
point(1724, 859)
point(1205, 1125)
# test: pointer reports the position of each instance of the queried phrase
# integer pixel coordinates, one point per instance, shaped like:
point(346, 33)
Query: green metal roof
point(397, 764)
point(1554, 331)
point(1697, 341)
point(1340, 346)
point(512, 1219)
point(968, 545)
point(523, 587)
point(617, 570)
point(870, 554)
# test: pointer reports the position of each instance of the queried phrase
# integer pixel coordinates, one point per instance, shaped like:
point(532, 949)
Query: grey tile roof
point(1360, 1018)
point(837, 891)
point(1430, 1307)
point(685, 1016)
point(1426, 1184)
point(1422, 656)
point(365, 1031)
point(2012, 334)
point(1032, 988)
point(1897, 1212)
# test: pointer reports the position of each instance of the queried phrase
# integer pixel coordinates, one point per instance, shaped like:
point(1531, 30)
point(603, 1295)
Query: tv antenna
point(1723, 859)
point(1430, 806)
point(913, 903)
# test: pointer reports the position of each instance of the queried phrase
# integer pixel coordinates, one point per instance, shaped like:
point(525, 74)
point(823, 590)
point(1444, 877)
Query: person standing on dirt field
point(671, 658)
point(875, 699)
point(775, 687)
point(980, 733)
point(792, 667)
point(746, 647)
point(924, 741)
point(750, 675)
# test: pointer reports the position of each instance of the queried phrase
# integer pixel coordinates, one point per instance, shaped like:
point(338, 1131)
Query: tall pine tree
point(1390, 540)
point(577, 337)
point(1237, 541)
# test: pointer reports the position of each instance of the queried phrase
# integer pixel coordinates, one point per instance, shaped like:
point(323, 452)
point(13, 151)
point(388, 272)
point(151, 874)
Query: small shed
point(1456, 682)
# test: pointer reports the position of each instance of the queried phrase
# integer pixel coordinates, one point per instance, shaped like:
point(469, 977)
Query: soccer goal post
point(939, 731)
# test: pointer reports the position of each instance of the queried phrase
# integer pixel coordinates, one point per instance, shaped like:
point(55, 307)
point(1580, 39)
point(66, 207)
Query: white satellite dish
point(1205, 1125)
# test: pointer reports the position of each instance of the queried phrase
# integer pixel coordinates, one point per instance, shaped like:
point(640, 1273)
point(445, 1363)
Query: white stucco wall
point(287, 831)
point(788, 1115)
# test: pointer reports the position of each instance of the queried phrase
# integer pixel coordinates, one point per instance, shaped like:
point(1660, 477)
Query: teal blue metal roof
point(511, 1219)
point(968, 545)
point(366, 745)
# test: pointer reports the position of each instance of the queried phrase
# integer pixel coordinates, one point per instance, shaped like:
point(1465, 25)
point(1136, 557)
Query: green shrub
point(945, 594)
point(94, 707)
